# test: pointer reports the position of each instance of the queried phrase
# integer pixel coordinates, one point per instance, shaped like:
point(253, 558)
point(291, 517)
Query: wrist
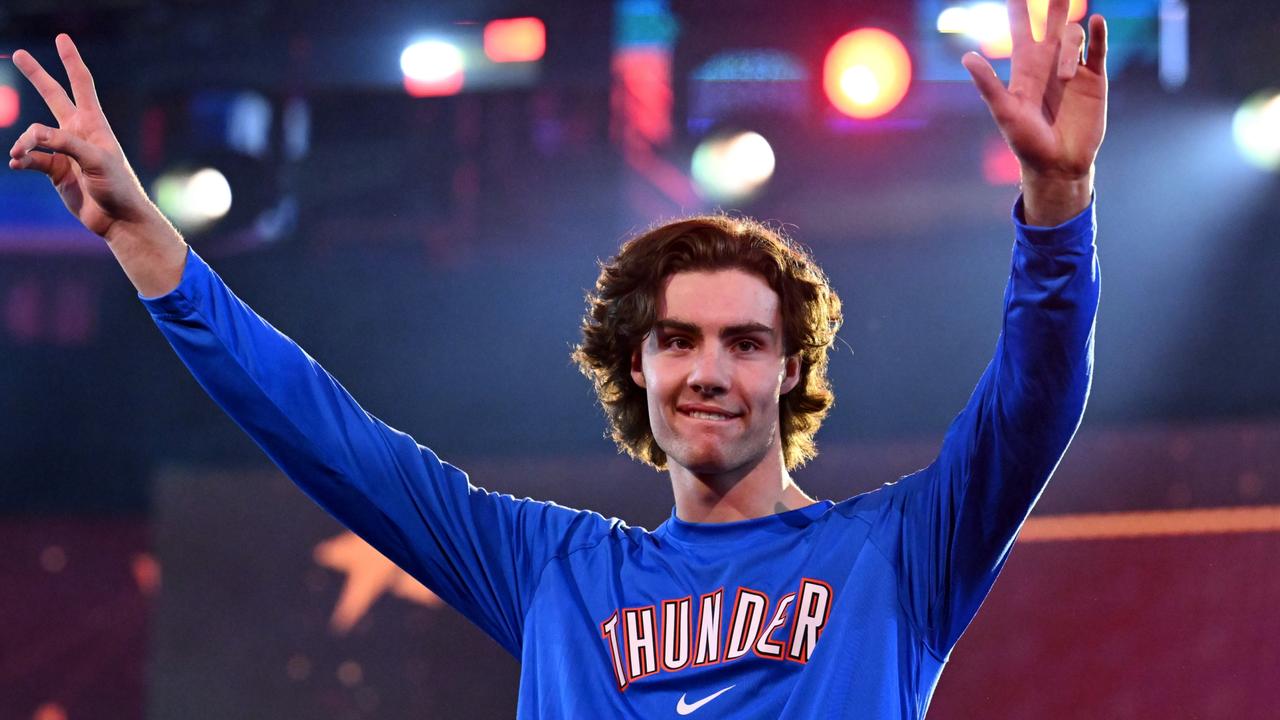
point(150, 251)
point(1050, 200)
point(150, 229)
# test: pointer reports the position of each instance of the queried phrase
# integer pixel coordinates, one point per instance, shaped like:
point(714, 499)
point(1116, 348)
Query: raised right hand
point(86, 164)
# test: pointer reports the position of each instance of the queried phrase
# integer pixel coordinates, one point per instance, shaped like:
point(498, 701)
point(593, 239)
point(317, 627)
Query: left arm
point(961, 514)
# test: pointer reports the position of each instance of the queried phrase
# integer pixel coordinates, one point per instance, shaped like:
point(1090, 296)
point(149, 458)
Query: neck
point(752, 491)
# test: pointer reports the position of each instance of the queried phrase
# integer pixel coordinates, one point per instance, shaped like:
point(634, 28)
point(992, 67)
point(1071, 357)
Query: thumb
point(985, 78)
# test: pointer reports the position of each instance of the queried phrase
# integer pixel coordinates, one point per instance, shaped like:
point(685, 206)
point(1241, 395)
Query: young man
point(707, 343)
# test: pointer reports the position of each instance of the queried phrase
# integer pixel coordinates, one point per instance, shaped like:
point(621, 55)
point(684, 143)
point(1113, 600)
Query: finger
point(1097, 59)
point(1019, 22)
point(77, 72)
point(1069, 57)
point(54, 96)
point(28, 140)
point(58, 140)
point(989, 85)
point(41, 162)
point(1057, 18)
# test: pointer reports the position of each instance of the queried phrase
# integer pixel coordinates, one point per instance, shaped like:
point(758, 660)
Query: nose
point(709, 375)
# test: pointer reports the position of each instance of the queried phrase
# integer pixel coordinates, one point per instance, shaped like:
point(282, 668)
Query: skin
point(1052, 114)
point(718, 346)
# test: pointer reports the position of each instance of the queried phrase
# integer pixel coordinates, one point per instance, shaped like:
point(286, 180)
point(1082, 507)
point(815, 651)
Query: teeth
point(708, 416)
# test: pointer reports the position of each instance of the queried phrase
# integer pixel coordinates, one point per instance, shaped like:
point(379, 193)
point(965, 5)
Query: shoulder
point(889, 500)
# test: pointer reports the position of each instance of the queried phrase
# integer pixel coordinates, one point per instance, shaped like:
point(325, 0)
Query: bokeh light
point(866, 73)
point(432, 68)
point(515, 40)
point(732, 167)
point(987, 23)
point(193, 200)
point(1256, 128)
point(10, 106)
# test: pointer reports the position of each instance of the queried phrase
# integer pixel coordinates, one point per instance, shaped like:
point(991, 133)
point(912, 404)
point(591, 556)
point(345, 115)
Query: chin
point(698, 460)
point(707, 461)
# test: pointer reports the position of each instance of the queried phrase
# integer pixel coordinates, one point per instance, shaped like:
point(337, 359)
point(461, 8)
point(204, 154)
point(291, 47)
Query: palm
point(79, 190)
point(88, 168)
point(1053, 113)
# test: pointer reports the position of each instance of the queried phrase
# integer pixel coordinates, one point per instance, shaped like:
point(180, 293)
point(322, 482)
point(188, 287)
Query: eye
point(747, 345)
point(677, 343)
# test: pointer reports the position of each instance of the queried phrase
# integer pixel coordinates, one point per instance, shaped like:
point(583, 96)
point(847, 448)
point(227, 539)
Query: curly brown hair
point(623, 309)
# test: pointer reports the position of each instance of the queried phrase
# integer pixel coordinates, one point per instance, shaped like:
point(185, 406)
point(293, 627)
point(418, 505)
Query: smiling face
point(713, 369)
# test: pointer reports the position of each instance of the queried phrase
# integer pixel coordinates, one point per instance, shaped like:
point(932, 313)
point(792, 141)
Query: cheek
point(660, 375)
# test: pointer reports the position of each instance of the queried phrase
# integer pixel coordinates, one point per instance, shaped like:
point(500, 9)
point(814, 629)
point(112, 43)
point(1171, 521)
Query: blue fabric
point(845, 609)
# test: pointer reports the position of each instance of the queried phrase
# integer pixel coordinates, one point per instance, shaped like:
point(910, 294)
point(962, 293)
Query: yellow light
point(988, 23)
point(866, 73)
point(1039, 11)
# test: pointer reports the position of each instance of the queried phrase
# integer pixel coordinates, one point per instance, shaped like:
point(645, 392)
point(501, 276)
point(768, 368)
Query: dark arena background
point(418, 193)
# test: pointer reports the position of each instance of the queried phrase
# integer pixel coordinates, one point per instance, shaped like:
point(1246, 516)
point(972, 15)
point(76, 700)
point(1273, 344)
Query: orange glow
point(1039, 10)
point(370, 575)
point(1000, 45)
point(50, 711)
point(1096, 526)
point(515, 40)
point(866, 73)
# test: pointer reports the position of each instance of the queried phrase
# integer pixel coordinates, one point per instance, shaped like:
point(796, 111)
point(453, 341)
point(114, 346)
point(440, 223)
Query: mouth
point(707, 415)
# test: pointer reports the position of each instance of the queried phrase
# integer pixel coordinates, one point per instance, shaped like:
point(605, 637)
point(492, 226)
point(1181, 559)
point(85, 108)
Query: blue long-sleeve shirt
point(845, 609)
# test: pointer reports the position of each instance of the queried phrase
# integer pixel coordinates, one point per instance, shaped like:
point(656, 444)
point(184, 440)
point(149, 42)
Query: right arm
point(481, 552)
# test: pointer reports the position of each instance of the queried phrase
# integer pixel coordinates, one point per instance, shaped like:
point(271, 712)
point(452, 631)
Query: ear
point(791, 376)
point(637, 368)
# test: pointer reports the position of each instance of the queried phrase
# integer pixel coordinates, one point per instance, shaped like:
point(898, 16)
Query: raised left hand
point(1054, 112)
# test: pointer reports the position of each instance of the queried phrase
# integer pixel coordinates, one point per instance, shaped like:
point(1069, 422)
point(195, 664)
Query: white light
point(209, 194)
point(431, 61)
point(1173, 44)
point(731, 168)
point(192, 201)
point(860, 84)
point(954, 20)
point(988, 21)
point(750, 156)
point(1256, 127)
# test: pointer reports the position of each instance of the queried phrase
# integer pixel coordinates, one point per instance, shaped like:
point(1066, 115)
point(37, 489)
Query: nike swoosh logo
point(685, 708)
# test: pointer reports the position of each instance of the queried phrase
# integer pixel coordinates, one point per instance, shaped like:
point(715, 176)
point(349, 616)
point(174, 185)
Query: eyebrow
point(746, 328)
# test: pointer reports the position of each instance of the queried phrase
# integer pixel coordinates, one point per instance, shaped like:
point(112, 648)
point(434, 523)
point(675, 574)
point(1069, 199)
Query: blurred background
point(419, 194)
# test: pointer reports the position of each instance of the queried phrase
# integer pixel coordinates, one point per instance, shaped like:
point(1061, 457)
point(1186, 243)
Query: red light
point(10, 106)
point(450, 85)
point(866, 73)
point(515, 40)
point(999, 165)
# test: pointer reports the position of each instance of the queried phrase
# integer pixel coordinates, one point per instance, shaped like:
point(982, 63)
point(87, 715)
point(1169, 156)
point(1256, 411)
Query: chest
point(647, 613)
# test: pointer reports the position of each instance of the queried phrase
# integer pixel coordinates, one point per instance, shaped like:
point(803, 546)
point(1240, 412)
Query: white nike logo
point(685, 708)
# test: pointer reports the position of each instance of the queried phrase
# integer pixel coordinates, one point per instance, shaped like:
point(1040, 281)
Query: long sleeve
point(957, 519)
point(482, 552)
